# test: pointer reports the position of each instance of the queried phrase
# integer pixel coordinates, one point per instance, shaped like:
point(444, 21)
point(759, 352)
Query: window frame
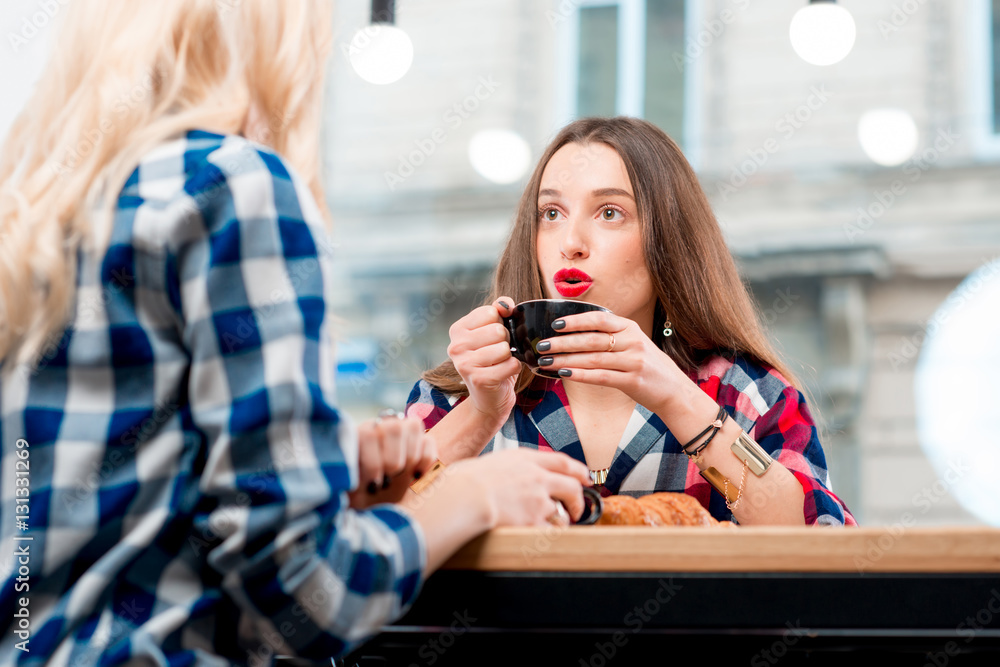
point(985, 139)
point(630, 96)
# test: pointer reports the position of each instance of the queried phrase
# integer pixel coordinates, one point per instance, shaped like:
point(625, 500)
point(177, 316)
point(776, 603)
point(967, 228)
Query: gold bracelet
point(718, 481)
point(754, 458)
point(739, 495)
point(752, 454)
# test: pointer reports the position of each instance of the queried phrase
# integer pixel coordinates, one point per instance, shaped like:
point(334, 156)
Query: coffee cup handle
point(593, 506)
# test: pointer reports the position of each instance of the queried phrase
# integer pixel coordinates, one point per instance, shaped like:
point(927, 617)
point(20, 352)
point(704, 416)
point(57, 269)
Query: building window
point(984, 74)
point(664, 80)
point(627, 58)
point(995, 63)
point(597, 71)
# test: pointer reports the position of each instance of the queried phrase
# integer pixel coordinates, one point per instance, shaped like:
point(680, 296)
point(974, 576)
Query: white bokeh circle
point(501, 156)
point(889, 137)
point(381, 54)
point(822, 33)
point(954, 389)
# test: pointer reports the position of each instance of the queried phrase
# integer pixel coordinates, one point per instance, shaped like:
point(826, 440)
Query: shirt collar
point(548, 410)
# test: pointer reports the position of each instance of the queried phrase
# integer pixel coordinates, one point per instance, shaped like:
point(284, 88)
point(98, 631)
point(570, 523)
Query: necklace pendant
point(599, 477)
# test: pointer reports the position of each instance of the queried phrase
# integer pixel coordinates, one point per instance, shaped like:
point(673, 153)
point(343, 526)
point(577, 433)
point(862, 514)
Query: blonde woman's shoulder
point(197, 183)
point(198, 162)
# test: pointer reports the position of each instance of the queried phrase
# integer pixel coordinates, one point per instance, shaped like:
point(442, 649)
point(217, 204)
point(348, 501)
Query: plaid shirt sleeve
point(788, 432)
point(428, 403)
point(313, 575)
point(775, 414)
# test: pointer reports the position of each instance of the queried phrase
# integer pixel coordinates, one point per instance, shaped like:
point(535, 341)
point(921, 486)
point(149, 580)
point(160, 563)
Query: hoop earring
point(667, 331)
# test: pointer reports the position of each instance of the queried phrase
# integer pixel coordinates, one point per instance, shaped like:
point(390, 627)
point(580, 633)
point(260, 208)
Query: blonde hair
point(125, 77)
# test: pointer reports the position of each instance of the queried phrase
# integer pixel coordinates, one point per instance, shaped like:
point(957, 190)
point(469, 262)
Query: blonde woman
point(175, 474)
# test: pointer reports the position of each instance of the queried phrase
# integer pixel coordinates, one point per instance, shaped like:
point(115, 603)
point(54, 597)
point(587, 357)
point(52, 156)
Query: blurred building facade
point(848, 260)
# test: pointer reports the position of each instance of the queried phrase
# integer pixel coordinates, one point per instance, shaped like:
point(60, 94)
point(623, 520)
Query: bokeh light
point(381, 54)
point(822, 33)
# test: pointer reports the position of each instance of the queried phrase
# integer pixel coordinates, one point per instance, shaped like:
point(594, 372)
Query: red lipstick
point(572, 282)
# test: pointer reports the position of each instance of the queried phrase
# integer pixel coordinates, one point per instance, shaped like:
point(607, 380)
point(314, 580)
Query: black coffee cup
point(531, 323)
point(593, 506)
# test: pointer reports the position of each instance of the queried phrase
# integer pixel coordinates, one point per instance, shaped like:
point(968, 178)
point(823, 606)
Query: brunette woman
point(653, 396)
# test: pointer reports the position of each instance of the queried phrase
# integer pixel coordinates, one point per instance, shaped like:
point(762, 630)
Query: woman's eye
point(611, 214)
point(550, 214)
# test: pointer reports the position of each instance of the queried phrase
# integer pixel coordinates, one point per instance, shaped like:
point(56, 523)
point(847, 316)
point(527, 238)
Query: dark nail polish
point(545, 361)
point(565, 372)
point(544, 346)
point(372, 488)
point(559, 324)
point(504, 305)
point(386, 482)
point(417, 475)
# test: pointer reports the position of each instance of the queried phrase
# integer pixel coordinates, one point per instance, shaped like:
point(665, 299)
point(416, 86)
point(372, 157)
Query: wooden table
point(601, 595)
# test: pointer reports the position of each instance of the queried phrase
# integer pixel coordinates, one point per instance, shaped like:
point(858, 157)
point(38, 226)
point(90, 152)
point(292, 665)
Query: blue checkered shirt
point(187, 467)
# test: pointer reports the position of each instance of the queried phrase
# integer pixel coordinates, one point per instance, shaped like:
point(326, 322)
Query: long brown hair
point(697, 285)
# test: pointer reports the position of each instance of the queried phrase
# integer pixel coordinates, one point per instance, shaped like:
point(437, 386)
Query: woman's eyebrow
point(612, 192)
point(603, 192)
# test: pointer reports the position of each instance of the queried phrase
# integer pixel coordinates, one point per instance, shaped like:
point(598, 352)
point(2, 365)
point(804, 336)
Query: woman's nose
point(573, 244)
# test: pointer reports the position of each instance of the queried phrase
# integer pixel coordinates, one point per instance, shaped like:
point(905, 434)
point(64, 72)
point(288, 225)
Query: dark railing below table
point(605, 595)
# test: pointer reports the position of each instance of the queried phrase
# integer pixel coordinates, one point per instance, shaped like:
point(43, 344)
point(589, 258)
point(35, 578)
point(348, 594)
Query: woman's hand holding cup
point(480, 350)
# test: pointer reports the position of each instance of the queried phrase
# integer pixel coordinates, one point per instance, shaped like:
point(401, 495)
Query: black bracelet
point(698, 450)
point(722, 414)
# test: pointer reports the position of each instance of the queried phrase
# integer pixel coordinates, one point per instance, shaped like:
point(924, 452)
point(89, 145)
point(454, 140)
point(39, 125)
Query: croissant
point(656, 509)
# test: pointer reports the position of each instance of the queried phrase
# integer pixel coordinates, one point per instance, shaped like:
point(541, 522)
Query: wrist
point(490, 413)
point(464, 490)
point(459, 449)
point(482, 426)
point(451, 510)
point(686, 409)
point(491, 420)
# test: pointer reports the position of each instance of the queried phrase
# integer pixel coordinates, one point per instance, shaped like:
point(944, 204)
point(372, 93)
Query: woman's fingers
point(590, 341)
point(562, 479)
point(601, 377)
point(504, 305)
point(393, 453)
point(592, 321)
point(487, 367)
point(608, 360)
point(475, 339)
point(388, 447)
point(561, 463)
point(394, 439)
point(370, 472)
point(569, 492)
point(488, 356)
point(413, 443)
point(484, 315)
point(428, 456)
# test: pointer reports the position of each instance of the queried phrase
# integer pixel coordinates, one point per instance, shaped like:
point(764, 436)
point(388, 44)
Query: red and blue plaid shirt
point(649, 457)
